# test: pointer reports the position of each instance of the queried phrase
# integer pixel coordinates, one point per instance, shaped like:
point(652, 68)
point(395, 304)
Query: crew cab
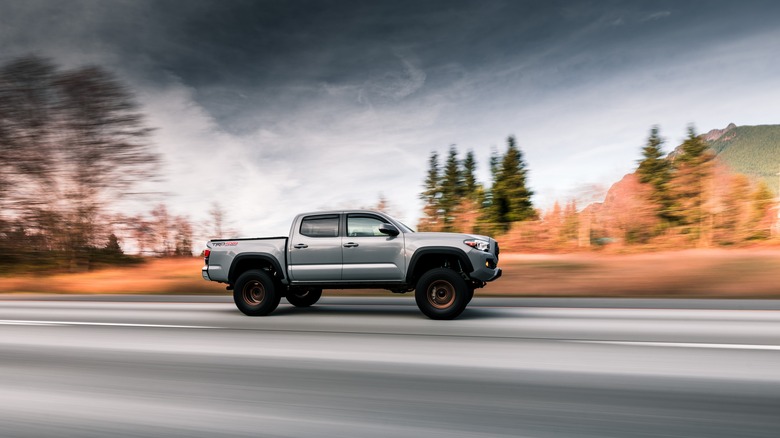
point(353, 249)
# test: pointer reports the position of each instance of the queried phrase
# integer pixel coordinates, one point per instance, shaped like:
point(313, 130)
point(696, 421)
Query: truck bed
point(226, 252)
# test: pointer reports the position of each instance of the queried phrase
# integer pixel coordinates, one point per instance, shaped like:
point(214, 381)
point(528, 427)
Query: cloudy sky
point(276, 107)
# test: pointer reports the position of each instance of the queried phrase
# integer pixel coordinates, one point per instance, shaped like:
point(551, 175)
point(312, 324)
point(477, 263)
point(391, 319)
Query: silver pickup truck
point(348, 250)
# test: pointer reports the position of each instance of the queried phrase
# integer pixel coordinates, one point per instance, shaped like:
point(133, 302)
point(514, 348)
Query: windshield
point(404, 228)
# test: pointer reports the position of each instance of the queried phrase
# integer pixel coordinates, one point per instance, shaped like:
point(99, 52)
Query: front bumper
point(484, 266)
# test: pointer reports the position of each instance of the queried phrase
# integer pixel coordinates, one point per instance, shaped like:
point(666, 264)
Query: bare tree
point(103, 150)
point(216, 221)
point(142, 231)
point(26, 107)
point(183, 236)
point(72, 141)
point(161, 229)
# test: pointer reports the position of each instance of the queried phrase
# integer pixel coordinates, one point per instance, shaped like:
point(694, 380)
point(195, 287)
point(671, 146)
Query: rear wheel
point(255, 293)
point(304, 298)
point(442, 293)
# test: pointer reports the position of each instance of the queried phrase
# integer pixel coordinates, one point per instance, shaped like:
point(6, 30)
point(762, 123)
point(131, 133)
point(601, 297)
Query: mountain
point(750, 150)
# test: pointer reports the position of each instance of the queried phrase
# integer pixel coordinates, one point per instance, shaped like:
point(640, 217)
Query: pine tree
point(470, 185)
point(656, 170)
point(112, 246)
point(487, 218)
point(467, 213)
point(511, 199)
point(431, 194)
point(693, 171)
point(452, 190)
point(494, 160)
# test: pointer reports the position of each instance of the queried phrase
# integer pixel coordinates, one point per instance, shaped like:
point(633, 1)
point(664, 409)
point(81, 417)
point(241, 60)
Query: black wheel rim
point(254, 292)
point(441, 294)
point(303, 294)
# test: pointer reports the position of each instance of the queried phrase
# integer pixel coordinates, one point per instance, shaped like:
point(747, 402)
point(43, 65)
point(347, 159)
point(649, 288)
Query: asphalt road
point(354, 367)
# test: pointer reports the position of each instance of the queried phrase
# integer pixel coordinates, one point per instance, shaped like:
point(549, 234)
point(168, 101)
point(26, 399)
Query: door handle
point(350, 245)
point(301, 246)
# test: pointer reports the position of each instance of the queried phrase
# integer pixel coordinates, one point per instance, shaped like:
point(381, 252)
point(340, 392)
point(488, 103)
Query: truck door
point(368, 254)
point(315, 249)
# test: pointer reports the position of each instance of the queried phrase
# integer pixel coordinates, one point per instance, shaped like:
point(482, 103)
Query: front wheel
point(255, 293)
point(304, 298)
point(442, 293)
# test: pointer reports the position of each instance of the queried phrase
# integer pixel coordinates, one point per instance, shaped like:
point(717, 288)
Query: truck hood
point(442, 236)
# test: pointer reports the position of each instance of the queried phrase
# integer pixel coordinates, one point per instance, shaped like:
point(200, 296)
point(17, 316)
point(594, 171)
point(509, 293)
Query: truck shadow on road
point(346, 310)
point(400, 311)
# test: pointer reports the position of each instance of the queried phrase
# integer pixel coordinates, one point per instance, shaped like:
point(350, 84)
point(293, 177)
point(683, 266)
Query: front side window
point(364, 226)
point(320, 226)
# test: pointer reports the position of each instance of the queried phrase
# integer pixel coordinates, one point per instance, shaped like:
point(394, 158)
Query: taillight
point(206, 253)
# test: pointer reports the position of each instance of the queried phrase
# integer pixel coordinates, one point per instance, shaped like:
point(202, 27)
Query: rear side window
point(320, 226)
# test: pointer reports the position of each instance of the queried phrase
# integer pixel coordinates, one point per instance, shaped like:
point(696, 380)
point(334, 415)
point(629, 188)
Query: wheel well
point(432, 261)
point(248, 263)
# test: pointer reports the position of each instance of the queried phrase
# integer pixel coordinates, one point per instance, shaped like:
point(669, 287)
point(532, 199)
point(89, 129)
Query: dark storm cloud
point(327, 39)
point(237, 53)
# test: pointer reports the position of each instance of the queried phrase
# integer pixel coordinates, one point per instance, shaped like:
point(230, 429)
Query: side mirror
point(389, 229)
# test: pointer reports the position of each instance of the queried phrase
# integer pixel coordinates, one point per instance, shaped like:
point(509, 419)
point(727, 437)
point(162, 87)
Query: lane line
point(579, 341)
point(685, 345)
point(28, 323)
point(99, 324)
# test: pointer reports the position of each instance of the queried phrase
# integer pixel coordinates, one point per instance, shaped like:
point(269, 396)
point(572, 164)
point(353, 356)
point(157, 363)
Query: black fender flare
point(255, 256)
point(438, 250)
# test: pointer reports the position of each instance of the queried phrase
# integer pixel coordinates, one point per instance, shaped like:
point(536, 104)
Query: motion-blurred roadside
point(702, 273)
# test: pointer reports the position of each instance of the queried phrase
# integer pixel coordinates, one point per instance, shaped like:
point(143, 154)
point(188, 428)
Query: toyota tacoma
point(348, 250)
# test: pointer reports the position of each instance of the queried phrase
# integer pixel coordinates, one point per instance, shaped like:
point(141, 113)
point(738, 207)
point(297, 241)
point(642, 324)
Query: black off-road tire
point(304, 298)
point(256, 293)
point(471, 294)
point(442, 293)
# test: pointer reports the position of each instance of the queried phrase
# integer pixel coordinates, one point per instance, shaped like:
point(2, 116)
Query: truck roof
point(341, 212)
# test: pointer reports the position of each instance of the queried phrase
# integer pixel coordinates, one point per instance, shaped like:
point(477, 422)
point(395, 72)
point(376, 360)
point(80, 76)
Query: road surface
point(353, 367)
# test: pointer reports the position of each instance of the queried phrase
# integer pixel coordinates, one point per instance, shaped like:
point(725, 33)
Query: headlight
point(481, 245)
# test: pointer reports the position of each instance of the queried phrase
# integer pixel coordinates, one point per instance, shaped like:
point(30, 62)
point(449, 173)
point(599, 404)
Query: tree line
point(456, 201)
point(685, 198)
point(691, 196)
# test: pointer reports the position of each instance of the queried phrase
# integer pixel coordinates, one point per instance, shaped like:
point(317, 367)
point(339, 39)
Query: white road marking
point(686, 345)
point(106, 324)
point(27, 323)
point(763, 347)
